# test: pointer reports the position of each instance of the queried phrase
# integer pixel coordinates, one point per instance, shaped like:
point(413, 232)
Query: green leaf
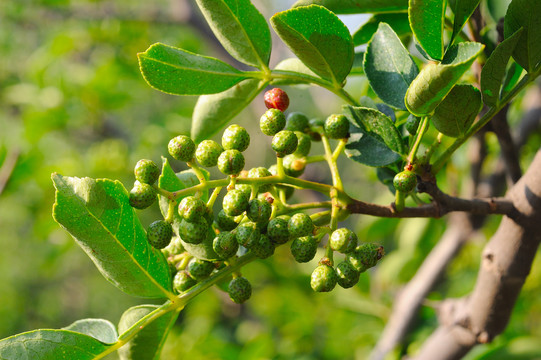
point(369, 149)
point(525, 14)
point(213, 112)
point(173, 182)
point(180, 72)
point(99, 329)
point(294, 66)
point(436, 80)
point(512, 77)
point(426, 20)
point(397, 21)
point(240, 28)
point(497, 8)
point(357, 68)
point(495, 67)
point(98, 215)
point(51, 345)
point(455, 114)
point(358, 6)
point(376, 122)
point(147, 343)
point(463, 9)
point(389, 67)
point(318, 38)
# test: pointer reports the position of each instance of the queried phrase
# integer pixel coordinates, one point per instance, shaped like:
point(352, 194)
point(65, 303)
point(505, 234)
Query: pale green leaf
point(319, 38)
point(180, 72)
point(240, 28)
point(99, 329)
point(369, 149)
point(98, 215)
point(212, 112)
point(389, 67)
point(436, 80)
point(147, 343)
point(292, 67)
point(426, 20)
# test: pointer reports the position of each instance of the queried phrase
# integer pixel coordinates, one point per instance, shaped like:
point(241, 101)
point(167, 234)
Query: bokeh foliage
point(72, 100)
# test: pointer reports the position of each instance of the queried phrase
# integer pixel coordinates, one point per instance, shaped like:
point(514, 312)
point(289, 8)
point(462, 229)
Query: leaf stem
point(422, 130)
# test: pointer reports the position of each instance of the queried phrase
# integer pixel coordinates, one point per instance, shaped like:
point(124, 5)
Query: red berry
point(276, 99)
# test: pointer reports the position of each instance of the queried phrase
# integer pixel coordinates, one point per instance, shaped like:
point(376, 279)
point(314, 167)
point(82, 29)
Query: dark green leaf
point(497, 8)
point(455, 114)
point(241, 29)
point(436, 80)
point(369, 149)
point(494, 70)
point(98, 215)
point(374, 121)
point(389, 67)
point(525, 14)
point(426, 21)
point(148, 343)
point(213, 112)
point(318, 38)
point(99, 329)
point(179, 72)
point(358, 6)
point(51, 345)
point(463, 9)
point(397, 21)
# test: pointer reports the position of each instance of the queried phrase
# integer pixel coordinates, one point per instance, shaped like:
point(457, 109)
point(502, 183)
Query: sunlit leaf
point(426, 20)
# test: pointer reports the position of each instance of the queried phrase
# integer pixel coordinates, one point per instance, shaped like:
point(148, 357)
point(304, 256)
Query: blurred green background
point(72, 101)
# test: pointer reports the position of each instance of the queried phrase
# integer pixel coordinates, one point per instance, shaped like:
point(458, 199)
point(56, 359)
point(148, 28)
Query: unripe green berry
point(264, 247)
point(235, 202)
point(225, 245)
point(300, 225)
point(159, 234)
point(259, 211)
point(294, 165)
point(284, 143)
point(226, 222)
point(277, 231)
point(200, 269)
point(304, 144)
point(146, 171)
point(247, 234)
point(347, 275)
point(181, 148)
point(193, 232)
point(142, 195)
point(259, 172)
point(231, 162)
point(365, 256)
point(284, 217)
point(337, 126)
point(343, 240)
point(304, 248)
point(276, 99)
point(297, 121)
point(405, 181)
point(235, 137)
point(183, 281)
point(323, 278)
point(239, 290)
point(272, 121)
point(192, 208)
point(208, 152)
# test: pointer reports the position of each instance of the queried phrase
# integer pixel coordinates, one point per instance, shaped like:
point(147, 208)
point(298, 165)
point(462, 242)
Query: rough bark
point(506, 262)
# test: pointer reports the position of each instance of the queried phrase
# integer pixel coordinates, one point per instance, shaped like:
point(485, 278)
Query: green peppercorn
point(142, 195)
point(304, 248)
point(235, 137)
point(208, 152)
point(323, 278)
point(181, 148)
point(239, 290)
point(146, 171)
point(336, 126)
point(159, 234)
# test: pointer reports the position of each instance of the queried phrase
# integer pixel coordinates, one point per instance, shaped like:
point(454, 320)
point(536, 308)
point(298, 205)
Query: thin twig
point(7, 168)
